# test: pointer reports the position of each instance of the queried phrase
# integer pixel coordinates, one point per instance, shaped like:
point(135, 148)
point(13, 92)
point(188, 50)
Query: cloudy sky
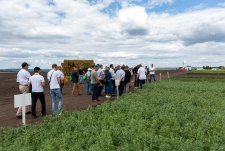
point(163, 32)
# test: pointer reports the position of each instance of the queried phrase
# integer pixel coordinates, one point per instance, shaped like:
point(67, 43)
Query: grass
point(179, 114)
point(209, 71)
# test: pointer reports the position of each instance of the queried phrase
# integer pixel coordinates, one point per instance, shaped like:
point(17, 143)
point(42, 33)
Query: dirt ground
point(9, 88)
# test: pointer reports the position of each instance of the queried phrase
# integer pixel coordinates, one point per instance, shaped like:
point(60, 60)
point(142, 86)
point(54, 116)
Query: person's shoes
point(19, 117)
point(98, 100)
point(34, 116)
point(28, 112)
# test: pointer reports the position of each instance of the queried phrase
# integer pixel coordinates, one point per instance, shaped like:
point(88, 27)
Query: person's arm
point(43, 82)
point(29, 82)
point(96, 78)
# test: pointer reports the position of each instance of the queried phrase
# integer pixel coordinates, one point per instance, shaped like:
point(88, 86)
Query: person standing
point(120, 75)
point(81, 73)
point(108, 83)
point(95, 83)
point(37, 82)
point(75, 79)
point(127, 79)
point(112, 71)
point(23, 80)
point(152, 72)
point(101, 76)
point(136, 80)
point(54, 83)
point(61, 77)
point(141, 75)
point(88, 87)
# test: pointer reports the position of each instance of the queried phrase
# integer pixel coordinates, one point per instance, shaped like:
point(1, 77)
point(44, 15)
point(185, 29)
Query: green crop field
point(208, 71)
point(183, 114)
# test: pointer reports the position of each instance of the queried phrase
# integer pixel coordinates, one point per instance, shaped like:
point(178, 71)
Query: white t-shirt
point(61, 74)
point(23, 77)
point(53, 75)
point(120, 74)
point(152, 70)
point(100, 73)
point(112, 73)
point(141, 73)
point(36, 82)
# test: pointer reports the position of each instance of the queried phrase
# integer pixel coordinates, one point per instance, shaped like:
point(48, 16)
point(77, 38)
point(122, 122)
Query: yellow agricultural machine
point(69, 64)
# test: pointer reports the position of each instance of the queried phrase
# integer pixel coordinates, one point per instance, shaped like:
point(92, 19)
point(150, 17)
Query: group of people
point(35, 85)
point(98, 79)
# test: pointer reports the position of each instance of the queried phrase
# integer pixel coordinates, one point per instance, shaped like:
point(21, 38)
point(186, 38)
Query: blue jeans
point(108, 87)
point(141, 82)
point(95, 92)
point(88, 88)
point(152, 76)
point(54, 93)
point(81, 79)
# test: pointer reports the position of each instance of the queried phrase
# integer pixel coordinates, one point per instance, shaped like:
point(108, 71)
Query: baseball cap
point(24, 64)
point(89, 69)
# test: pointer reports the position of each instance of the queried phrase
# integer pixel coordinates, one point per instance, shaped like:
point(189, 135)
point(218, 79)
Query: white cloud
point(41, 34)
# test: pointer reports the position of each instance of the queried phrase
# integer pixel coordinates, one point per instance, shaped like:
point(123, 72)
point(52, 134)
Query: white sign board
point(22, 100)
point(117, 82)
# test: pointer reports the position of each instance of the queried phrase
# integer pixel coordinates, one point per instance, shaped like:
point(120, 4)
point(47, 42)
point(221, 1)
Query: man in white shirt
point(152, 73)
point(141, 75)
point(37, 82)
point(23, 80)
point(88, 86)
point(120, 75)
point(112, 71)
point(101, 76)
point(54, 83)
point(61, 77)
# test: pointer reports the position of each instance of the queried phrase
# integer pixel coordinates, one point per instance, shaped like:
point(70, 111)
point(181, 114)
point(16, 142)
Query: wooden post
point(168, 75)
point(160, 76)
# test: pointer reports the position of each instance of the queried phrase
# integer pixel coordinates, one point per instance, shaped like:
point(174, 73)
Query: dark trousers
point(141, 82)
point(121, 88)
point(152, 76)
point(136, 81)
point(100, 87)
point(41, 97)
point(113, 86)
point(95, 91)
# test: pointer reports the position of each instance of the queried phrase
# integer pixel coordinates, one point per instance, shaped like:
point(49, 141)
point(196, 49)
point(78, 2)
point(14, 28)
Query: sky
point(163, 32)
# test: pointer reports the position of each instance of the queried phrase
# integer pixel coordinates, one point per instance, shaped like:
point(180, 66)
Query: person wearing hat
point(37, 82)
point(23, 80)
point(88, 86)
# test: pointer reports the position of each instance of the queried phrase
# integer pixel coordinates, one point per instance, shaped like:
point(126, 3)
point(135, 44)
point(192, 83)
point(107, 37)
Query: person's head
point(54, 67)
point(60, 68)
point(75, 69)
point(37, 70)
point(111, 65)
point(126, 68)
point(152, 65)
point(81, 67)
point(25, 65)
point(123, 67)
point(101, 66)
point(89, 69)
point(96, 67)
point(118, 67)
point(107, 68)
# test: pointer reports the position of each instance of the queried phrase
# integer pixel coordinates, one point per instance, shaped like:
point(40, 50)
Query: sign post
point(22, 100)
point(117, 87)
point(160, 76)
